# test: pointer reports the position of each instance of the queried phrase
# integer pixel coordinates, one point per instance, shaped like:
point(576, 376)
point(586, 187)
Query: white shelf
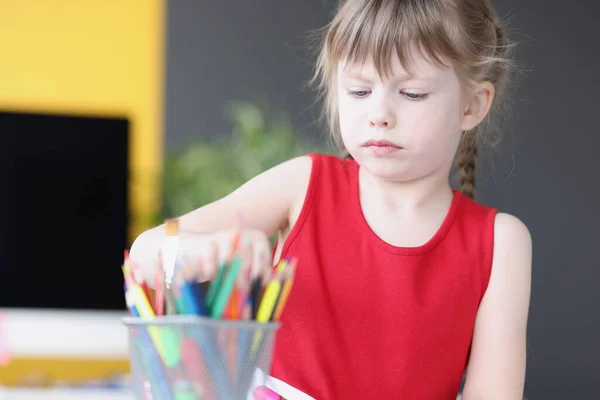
point(59, 333)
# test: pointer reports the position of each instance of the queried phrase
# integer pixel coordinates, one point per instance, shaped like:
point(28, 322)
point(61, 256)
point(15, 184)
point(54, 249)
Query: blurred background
point(117, 114)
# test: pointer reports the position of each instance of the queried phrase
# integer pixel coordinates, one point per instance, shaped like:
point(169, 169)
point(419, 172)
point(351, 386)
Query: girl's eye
point(358, 93)
point(415, 96)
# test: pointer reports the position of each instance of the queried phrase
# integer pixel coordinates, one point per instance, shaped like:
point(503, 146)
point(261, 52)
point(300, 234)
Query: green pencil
point(213, 289)
point(222, 297)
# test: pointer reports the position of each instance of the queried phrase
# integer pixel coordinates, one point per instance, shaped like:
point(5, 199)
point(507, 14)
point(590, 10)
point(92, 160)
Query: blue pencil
point(192, 300)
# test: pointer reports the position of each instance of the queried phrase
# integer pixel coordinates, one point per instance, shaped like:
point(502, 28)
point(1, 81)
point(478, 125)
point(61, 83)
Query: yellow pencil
point(267, 305)
point(143, 307)
point(141, 302)
point(281, 265)
point(265, 310)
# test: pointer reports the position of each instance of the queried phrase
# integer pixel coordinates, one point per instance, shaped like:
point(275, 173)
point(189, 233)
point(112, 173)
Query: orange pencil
point(233, 306)
point(240, 292)
point(237, 237)
point(285, 291)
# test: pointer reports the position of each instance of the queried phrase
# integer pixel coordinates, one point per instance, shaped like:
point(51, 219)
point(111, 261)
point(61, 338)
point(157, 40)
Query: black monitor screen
point(63, 210)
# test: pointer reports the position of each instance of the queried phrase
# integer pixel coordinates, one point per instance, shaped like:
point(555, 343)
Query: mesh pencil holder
point(181, 357)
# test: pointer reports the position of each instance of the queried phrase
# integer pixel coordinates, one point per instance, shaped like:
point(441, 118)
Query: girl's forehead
point(419, 67)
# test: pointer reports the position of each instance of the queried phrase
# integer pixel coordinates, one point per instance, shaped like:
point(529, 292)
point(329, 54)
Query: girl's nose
point(381, 116)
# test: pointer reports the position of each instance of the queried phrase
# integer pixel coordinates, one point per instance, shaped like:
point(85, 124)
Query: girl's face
point(401, 127)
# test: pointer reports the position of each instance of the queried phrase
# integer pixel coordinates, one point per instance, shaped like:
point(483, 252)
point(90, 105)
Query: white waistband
point(286, 391)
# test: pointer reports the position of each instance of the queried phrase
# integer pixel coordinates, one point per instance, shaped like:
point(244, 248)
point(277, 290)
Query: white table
point(63, 394)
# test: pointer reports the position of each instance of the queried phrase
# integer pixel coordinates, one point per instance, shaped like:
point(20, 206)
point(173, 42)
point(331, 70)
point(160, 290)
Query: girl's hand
point(200, 256)
point(210, 252)
point(271, 201)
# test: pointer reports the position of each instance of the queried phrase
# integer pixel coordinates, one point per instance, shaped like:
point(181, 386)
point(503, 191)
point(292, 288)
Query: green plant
point(206, 170)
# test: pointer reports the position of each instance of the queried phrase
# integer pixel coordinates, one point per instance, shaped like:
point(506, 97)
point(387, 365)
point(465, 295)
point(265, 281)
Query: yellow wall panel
point(47, 371)
point(100, 57)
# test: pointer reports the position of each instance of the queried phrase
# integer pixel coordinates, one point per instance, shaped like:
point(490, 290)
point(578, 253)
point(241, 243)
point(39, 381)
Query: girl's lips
point(381, 147)
point(380, 143)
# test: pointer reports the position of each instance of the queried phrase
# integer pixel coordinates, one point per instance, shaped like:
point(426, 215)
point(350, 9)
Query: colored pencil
point(239, 290)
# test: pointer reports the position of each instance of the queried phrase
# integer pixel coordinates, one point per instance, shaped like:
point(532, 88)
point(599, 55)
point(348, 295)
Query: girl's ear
point(478, 106)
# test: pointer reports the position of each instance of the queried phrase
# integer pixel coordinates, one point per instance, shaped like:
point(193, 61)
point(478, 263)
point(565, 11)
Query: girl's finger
point(260, 261)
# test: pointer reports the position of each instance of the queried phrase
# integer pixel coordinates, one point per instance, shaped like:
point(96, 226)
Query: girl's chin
point(386, 168)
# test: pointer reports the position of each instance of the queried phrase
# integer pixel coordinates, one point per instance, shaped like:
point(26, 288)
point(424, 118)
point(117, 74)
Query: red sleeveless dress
point(368, 320)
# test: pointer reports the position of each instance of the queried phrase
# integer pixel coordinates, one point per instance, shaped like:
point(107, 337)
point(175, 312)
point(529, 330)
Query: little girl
point(403, 284)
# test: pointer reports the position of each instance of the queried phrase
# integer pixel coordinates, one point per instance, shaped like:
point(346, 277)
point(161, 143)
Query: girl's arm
point(268, 202)
point(498, 355)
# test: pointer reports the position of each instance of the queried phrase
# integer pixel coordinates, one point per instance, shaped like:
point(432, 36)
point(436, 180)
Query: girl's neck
point(429, 191)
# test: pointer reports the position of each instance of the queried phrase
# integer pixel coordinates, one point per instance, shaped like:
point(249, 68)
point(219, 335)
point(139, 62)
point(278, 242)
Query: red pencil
point(159, 291)
point(139, 279)
point(137, 275)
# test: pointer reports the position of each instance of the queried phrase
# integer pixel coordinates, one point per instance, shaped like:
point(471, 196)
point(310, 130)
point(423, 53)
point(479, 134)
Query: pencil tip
point(172, 226)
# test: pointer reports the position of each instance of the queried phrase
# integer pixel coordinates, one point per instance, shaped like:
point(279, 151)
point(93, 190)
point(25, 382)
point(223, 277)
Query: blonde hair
point(468, 33)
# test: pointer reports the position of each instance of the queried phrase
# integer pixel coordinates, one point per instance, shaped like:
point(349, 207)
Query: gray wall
point(224, 50)
point(220, 51)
